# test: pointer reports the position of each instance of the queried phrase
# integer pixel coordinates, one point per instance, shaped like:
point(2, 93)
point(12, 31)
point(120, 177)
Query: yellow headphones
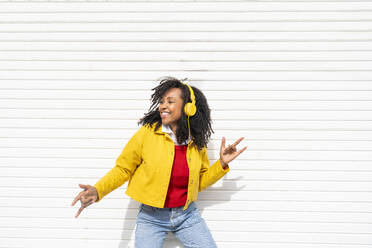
point(190, 107)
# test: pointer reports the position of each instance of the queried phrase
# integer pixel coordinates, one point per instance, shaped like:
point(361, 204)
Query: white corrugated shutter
point(293, 78)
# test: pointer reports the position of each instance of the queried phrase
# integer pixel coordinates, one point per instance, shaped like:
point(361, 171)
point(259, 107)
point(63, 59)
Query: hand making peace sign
point(228, 154)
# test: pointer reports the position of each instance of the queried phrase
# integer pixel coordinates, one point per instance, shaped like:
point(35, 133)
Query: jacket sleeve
point(210, 174)
point(126, 164)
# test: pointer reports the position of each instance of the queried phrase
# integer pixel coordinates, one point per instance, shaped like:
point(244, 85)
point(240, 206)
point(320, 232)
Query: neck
point(174, 128)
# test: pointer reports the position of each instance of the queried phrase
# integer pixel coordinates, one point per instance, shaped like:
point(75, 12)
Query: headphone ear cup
point(190, 109)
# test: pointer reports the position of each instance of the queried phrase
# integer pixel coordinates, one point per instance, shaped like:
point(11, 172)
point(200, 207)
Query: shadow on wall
point(208, 199)
point(129, 225)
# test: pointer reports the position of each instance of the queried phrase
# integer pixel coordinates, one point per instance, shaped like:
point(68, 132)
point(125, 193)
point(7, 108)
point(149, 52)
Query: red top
point(177, 189)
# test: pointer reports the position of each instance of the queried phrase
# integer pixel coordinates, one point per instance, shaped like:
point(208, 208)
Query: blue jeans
point(153, 224)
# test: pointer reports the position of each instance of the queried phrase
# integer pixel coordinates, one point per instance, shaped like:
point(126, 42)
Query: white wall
point(293, 78)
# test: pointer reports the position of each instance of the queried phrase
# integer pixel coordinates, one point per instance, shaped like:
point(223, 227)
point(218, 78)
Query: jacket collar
point(166, 129)
point(159, 131)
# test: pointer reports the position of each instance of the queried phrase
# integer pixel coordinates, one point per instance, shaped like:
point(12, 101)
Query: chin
point(165, 122)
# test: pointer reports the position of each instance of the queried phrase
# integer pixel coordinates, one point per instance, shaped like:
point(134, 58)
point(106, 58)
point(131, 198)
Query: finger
point(232, 147)
point(83, 200)
point(229, 149)
point(77, 198)
point(225, 151)
point(222, 144)
point(78, 213)
point(83, 186)
point(237, 154)
point(89, 203)
point(84, 205)
point(238, 141)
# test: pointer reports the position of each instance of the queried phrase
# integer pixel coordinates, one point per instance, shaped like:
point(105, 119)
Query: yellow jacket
point(147, 160)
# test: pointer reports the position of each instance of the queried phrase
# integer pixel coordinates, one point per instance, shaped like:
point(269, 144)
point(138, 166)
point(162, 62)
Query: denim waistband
point(192, 205)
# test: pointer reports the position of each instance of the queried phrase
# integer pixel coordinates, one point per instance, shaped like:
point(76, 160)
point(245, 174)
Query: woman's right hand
point(88, 196)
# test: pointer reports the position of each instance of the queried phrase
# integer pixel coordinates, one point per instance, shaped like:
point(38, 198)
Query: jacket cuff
point(221, 169)
point(99, 191)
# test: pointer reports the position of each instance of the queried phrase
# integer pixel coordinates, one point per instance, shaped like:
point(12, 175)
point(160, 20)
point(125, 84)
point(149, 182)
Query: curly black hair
point(200, 123)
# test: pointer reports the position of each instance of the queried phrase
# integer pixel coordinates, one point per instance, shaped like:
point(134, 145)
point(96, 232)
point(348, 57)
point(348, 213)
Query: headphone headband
point(192, 96)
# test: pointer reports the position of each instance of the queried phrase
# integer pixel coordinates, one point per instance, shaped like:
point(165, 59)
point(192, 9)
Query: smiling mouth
point(164, 115)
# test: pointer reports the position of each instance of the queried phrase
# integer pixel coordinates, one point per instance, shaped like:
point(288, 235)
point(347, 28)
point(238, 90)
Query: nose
point(162, 106)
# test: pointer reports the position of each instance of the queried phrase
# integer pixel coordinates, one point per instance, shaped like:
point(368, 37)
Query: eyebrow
point(171, 97)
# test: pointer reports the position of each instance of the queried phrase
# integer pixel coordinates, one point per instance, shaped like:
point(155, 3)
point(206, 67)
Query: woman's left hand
point(229, 153)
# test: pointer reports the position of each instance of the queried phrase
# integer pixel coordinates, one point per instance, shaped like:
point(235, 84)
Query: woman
point(166, 163)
